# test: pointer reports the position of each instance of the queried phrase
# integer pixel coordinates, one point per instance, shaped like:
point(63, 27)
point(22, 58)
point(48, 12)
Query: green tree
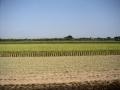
point(69, 37)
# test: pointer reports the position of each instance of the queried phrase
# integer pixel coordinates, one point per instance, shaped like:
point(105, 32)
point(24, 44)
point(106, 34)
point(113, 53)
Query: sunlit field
point(71, 49)
point(58, 69)
point(59, 65)
point(59, 44)
point(79, 72)
point(59, 47)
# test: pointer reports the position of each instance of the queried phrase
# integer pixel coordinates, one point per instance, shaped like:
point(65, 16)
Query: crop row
point(57, 53)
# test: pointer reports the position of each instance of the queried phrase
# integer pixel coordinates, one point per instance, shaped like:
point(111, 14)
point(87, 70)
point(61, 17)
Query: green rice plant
point(71, 49)
point(57, 53)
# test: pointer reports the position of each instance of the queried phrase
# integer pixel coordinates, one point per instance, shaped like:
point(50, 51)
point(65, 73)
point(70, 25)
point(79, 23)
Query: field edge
point(87, 85)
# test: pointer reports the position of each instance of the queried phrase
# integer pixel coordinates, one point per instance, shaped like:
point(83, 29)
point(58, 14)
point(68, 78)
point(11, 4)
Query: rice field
point(73, 49)
point(59, 47)
point(60, 66)
point(48, 70)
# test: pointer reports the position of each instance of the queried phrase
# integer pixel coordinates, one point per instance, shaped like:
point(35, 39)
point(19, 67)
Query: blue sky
point(59, 18)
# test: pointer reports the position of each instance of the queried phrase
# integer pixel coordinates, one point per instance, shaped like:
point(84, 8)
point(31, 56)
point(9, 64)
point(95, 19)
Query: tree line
point(69, 37)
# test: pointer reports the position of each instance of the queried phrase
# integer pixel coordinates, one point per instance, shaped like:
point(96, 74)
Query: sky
point(59, 18)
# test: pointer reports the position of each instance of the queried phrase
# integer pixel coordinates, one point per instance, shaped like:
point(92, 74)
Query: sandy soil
point(60, 77)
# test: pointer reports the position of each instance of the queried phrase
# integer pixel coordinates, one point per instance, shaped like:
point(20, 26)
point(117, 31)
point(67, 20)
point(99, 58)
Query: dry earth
point(44, 70)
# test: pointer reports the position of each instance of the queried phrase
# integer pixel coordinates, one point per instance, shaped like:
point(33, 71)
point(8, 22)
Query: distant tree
point(108, 38)
point(99, 38)
point(117, 38)
point(69, 37)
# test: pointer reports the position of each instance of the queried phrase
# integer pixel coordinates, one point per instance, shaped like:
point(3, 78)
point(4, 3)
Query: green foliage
point(69, 37)
point(117, 38)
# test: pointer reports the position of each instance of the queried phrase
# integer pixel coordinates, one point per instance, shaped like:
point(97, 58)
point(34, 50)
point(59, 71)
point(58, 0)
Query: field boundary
point(57, 42)
point(87, 85)
point(57, 53)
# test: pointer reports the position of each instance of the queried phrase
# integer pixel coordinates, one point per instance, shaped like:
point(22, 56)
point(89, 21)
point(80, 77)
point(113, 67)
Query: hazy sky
point(59, 18)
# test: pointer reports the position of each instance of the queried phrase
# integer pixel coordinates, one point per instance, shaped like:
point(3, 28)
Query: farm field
point(60, 66)
point(44, 70)
point(59, 47)
point(66, 49)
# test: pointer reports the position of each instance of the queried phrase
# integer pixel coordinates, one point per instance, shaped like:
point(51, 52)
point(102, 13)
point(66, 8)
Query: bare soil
point(82, 73)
